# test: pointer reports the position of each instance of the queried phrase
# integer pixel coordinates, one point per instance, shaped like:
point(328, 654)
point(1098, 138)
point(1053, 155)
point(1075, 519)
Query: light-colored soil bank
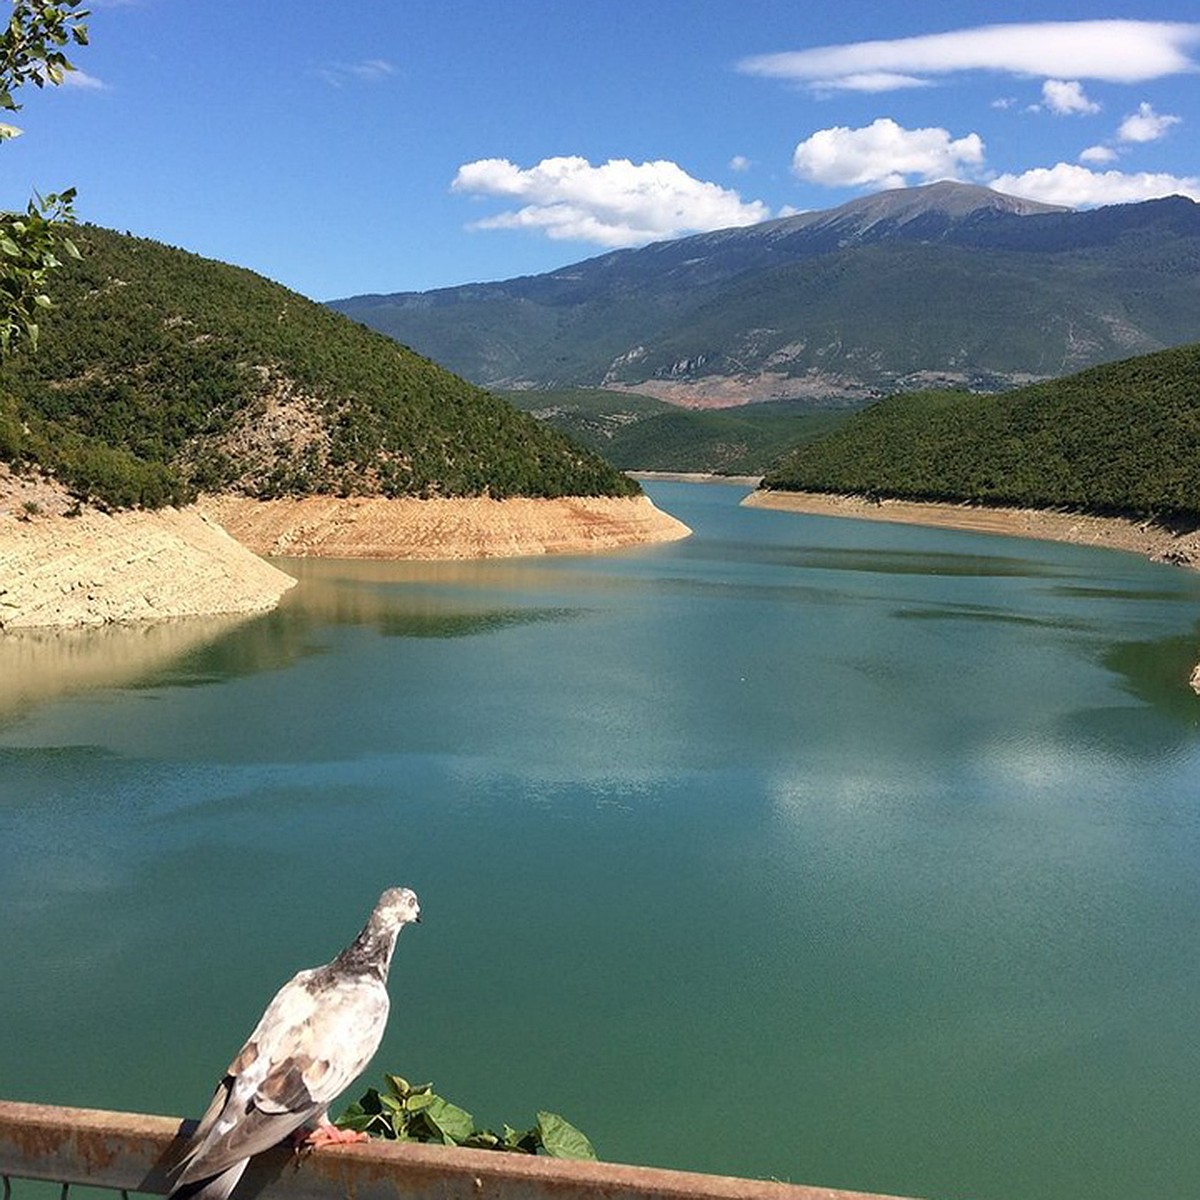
point(1114, 533)
point(323, 526)
point(97, 568)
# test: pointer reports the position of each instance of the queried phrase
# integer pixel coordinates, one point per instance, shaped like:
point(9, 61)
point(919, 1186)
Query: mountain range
point(948, 284)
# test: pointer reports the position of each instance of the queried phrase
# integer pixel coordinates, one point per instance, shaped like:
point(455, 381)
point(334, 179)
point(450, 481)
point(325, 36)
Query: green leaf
point(397, 1084)
point(454, 1123)
point(523, 1141)
point(357, 1118)
point(560, 1139)
point(419, 1101)
point(483, 1139)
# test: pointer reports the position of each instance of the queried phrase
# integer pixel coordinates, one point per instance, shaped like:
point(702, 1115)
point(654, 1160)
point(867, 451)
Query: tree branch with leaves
point(32, 51)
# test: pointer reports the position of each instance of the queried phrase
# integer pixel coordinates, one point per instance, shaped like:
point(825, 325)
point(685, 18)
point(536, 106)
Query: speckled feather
point(316, 1036)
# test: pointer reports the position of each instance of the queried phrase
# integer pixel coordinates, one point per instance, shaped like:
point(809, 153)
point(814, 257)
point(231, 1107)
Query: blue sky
point(395, 145)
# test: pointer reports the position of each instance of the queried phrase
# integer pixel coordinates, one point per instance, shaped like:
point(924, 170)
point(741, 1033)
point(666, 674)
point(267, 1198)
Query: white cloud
point(372, 69)
point(619, 203)
point(1097, 154)
point(1115, 51)
point(84, 81)
point(1145, 125)
point(869, 81)
point(739, 162)
point(1077, 187)
point(369, 70)
point(884, 154)
point(1066, 98)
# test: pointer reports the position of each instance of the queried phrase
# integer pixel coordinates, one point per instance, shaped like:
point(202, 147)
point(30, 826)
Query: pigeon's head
point(397, 907)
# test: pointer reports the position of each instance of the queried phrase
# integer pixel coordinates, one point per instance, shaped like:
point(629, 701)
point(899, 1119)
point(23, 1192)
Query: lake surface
point(851, 854)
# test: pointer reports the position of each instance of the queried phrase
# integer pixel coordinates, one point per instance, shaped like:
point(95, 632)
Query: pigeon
point(316, 1036)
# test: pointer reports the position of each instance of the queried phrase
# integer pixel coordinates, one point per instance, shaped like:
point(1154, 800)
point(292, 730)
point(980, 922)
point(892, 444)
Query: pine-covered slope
point(1123, 438)
point(160, 373)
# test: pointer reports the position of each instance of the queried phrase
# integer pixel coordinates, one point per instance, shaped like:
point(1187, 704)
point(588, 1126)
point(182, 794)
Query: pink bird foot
point(327, 1134)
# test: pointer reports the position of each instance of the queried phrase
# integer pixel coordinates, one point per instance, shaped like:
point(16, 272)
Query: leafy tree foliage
point(31, 51)
point(165, 373)
point(1118, 439)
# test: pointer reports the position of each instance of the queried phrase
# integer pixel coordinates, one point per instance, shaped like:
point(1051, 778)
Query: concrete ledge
point(133, 1151)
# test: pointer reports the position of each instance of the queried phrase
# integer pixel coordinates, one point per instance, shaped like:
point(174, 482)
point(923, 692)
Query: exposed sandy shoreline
point(323, 526)
point(698, 477)
point(1114, 533)
point(95, 568)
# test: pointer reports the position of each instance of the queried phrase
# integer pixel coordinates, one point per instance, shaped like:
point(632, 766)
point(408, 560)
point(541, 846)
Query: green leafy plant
point(30, 242)
point(407, 1113)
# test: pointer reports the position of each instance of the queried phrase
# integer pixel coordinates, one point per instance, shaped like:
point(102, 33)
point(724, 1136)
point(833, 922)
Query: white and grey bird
point(314, 1039)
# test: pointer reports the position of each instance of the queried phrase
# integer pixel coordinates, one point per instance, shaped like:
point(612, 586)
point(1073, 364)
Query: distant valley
point(636, 432)
point(947, 285)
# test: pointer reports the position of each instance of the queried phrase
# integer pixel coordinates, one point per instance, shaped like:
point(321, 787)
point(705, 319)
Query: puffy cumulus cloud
point(884, 154)
point(1079, 187)
point(1145, 125)
point(619, 203)
point(1066, 98)
point(1117, 51)
point(1097, 154)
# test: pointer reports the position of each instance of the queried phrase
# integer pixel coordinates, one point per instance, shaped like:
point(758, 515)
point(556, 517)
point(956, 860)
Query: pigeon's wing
point(316, 1036)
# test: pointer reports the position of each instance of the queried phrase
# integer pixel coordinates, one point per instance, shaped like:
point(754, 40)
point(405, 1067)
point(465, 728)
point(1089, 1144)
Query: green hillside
point(1122, 438)
point(640, 433)
point(160, 373)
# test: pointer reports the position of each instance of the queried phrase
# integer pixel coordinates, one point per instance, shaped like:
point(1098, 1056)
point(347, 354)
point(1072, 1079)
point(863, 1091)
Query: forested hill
point(160, 373)
point(1122, 438)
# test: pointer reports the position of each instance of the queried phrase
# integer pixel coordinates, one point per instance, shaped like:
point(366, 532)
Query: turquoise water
point(851, 854)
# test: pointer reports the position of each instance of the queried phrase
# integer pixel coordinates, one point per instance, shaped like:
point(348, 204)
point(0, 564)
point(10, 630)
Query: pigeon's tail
point(215, 1187)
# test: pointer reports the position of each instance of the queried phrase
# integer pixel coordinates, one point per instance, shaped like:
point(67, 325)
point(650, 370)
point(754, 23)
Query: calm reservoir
point(852, 854)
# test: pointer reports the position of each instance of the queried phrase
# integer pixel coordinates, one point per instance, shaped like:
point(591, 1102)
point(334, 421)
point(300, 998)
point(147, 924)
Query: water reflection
point(38, 665)
point(398, 600)
point(1157, 672)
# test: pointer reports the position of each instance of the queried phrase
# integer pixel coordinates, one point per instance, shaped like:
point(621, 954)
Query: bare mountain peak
point(950, 198)
point(946, 200)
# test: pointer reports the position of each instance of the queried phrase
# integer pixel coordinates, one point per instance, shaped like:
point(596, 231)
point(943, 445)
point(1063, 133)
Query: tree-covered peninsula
point(1119, 439)
point(160, 374)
